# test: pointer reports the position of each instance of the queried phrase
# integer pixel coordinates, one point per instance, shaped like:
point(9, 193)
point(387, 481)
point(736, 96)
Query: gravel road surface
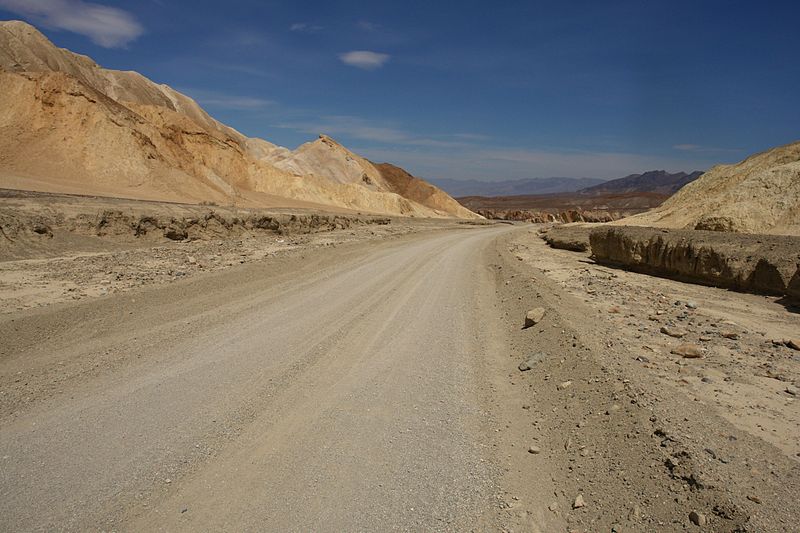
point(338, 393)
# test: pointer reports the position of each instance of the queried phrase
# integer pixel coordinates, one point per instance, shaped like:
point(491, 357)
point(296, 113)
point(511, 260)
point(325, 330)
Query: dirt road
point(388, 384)
point(339, 393)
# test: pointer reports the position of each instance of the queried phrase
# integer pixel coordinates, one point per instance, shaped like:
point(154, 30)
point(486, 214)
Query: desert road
point(342, 392)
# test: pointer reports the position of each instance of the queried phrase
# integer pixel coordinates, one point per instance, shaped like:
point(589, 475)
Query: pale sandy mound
point(330, 160)
point(759, 195)
point(68, 125)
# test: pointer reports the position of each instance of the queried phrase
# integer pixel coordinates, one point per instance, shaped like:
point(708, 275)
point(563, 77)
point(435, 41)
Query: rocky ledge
point(765, 264)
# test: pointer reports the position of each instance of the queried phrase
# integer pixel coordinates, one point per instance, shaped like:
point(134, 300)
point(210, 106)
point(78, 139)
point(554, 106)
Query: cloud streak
point(304, 27)
point(220, 100)
point(700, 148)
point(109, 27)
point(466, 155)
point(497, 163)
point(358, 128)
point(364, 59)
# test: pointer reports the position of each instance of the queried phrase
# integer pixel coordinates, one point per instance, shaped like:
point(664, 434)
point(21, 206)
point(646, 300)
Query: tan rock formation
point(420, 191)
point(759, 195)
point(68, 125)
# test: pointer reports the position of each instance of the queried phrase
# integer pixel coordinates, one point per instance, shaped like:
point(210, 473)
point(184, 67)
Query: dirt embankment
point(574, 238)
point(56, 248)
point(765, 264)
point(538, 217)
point(762, 264)
point(207, 224)
point(649, 438)
point(27, 226)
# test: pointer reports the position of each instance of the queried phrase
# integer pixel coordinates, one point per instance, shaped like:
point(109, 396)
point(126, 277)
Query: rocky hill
point(758, 195)
point(654, 181)
point(69, 125)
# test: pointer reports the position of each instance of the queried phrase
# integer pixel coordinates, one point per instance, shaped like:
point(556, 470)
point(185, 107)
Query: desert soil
point(380, 378)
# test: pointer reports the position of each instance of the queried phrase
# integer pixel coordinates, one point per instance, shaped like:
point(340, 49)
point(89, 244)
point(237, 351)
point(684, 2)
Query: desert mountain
point(758, 195)
point(654, 181)
point(459, 188)
point(69, 125)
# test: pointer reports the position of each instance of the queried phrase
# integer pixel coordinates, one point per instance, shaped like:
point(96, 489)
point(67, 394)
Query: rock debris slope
point(759, 195)
point(68, 125)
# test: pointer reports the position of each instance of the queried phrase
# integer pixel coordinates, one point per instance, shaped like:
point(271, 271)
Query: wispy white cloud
point(367, 25)
point(304, 27)
point(361, 129)
point(467, 155)
point(106, 26)
point(700, 148)
point(219, 100)
point(488, 163)
point(364, 59)
point(471, 136)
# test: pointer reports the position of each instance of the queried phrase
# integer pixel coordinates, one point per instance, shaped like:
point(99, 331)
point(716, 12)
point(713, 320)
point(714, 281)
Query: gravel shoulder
point(650, 440)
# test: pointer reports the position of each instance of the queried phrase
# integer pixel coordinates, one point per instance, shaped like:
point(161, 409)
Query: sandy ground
point(75, 260)
point(381, 379)
point(646, 437)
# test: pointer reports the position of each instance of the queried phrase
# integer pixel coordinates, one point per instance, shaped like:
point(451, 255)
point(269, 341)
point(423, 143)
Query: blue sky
point(468, 89)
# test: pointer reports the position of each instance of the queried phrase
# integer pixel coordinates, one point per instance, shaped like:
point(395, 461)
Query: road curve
point(341, 395)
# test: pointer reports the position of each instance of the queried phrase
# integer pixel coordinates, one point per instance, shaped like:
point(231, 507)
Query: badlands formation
point(736, 226)
point(183, 367)
point(759, 195)
point(68, 125)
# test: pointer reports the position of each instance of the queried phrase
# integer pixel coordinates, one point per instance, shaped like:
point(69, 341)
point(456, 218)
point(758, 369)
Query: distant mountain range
point(456, 187)
point(654, 181)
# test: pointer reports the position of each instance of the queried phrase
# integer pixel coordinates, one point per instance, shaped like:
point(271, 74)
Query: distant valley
point(601, 202)
point(456, 187)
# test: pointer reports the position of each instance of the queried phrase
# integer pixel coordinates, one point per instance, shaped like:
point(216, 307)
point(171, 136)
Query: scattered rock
point(635, 513)
point(794, 344)
point(42, 229)
point(688, 351)
point(578, 503)
point(534, 450)
point(530, 362)
point(691, 305)
point(176, 234)
point(730, 335)
point(191, 260)
point(564, 385)
point(698, 519)
point(534, 316)
point(672, 332)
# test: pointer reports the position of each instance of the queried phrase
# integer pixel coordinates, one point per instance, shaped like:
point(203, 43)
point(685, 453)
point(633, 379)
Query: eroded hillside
point(69, 125)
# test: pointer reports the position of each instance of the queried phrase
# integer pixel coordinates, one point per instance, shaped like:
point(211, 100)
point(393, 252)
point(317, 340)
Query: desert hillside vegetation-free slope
point(68, 125)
